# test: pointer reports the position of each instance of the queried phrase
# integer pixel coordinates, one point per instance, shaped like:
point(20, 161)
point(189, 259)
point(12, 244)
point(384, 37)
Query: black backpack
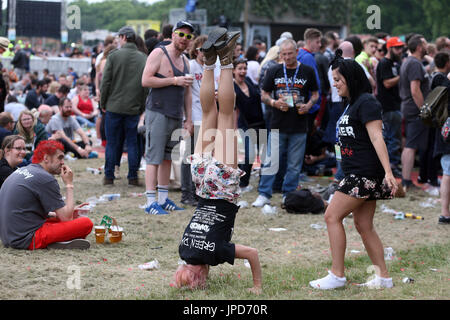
point(302, 201)
point(434, 110)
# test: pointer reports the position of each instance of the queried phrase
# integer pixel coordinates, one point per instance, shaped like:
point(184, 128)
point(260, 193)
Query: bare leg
point(226, 140)
point(341, 205)
point(251, 254)
point(205, 141)
point(363, 218)
point(164, 172)
point(445, 195)
point(407, 162)
point(151, 171)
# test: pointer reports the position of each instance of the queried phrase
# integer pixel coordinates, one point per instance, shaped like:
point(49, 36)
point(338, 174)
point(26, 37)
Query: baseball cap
point(183, 24)
point(4, 43)
point(127, 31)
point(394, 42)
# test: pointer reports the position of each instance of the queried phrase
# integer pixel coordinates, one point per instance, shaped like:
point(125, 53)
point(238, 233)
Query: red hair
point(191, 276)
point(46, 147)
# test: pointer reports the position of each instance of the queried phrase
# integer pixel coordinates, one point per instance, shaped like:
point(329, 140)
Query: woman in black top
point(250, 116)
point(368, 175)
point(11, 155)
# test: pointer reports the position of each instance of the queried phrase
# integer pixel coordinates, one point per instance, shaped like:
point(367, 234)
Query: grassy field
point(289, 258)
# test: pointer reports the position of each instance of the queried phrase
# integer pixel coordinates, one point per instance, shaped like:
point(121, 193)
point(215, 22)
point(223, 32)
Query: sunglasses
point(188, 36)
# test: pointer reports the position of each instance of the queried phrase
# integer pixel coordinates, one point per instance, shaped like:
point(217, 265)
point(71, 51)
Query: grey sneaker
point(72, 244)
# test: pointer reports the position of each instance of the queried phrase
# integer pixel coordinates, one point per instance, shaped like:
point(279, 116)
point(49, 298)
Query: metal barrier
point(56, 65)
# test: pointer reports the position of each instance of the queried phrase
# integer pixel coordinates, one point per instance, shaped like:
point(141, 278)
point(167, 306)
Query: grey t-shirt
point(26, 198)
point(412, 69)
point(57, 122)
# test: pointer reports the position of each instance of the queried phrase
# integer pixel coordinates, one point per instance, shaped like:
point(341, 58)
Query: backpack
point(302, 201)
point(434, 110)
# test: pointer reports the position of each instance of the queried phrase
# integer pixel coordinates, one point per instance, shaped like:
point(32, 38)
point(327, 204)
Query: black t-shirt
point(441, 147)
point(358, 153)
point(5, 170)
point(250, 112)
point(53, 100)
point(305, 83)
point(206, 239)
point(389, 98)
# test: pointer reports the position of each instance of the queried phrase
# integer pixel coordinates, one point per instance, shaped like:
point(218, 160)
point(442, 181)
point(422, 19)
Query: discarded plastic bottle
point(412, 216)
point(389, 253)
point(93, 170)
point(111, 196)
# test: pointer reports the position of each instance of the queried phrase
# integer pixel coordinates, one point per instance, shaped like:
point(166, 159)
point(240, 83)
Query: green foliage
point(428, 17)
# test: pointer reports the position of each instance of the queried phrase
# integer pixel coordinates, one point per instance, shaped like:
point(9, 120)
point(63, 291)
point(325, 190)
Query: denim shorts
point(445, 163)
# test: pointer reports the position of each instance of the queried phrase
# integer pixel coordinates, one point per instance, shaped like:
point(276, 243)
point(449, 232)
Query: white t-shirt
point(252, 71)
point(197, 70)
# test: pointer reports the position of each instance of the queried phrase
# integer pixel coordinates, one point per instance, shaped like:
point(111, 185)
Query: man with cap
point(4, 43)
point(388, 77)
point(169, 101)
point(123, 99)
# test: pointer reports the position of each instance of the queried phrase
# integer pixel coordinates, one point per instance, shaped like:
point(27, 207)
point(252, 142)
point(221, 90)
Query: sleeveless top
point(85, 106)
point(168, 100)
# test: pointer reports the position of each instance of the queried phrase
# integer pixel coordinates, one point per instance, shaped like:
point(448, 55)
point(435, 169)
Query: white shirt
point(15, 109)
point(252, 71)
point(197, 70)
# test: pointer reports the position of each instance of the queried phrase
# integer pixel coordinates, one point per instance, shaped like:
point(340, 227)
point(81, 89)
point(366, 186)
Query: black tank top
point(168, 100)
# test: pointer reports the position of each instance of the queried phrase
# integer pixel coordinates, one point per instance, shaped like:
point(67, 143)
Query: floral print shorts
point(365, 188)
point(213, 179)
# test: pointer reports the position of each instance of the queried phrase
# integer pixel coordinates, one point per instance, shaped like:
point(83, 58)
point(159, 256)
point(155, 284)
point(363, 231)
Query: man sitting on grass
point(30, 194)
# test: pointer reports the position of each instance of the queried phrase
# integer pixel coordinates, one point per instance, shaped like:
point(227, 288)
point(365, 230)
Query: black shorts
point(416, 133)
point(365, 188)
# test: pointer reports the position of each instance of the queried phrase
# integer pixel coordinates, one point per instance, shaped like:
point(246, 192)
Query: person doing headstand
point(214, 167)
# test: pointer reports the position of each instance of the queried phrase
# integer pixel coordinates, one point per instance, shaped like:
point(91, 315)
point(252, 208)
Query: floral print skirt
point(213, 179)
point(365, 188)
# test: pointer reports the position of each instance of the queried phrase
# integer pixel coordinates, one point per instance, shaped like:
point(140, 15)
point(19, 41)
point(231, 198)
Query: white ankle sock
point(151, 196)
point(163, 194)
point(228, 66)
point(331, 281)
point(378, 283)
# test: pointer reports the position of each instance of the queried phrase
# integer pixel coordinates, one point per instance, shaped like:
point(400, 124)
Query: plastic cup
point(100, 229)
point(115, 234)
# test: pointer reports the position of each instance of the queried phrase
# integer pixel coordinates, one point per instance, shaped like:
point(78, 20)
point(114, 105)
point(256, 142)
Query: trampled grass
point(289, 258)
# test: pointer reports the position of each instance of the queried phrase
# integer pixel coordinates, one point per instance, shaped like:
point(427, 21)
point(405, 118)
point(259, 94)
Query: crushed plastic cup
point(277, 229)
point(242, 204)
point(110, 196)
point(268, 210)
point(93, 170)
point(317, 226)
point(399, 216)
point(149, 265)
point(407, 280)
point(246, 263)
point(389, 253)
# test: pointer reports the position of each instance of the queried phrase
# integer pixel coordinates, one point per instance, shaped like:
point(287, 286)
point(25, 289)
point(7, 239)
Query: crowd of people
point(344, 108)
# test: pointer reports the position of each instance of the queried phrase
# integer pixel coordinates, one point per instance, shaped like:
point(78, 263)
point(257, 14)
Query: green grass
point(289, 259)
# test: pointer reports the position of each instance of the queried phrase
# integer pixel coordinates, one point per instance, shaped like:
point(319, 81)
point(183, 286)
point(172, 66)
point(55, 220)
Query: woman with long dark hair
point(11, 155)
point(368, 175)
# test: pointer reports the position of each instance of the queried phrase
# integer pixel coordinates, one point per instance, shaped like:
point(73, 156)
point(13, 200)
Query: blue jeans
point(90, 123)
point(392, 124)
point(117, 128)
point(294, 145)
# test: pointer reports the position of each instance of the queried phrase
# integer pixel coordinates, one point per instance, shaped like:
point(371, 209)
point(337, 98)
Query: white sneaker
point(378, 283)
point(329, 282)
point(246, 189)
point(261, 201)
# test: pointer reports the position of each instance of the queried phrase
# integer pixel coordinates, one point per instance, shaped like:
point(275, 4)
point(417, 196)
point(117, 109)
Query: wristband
point(69, 185)
point(175, 81)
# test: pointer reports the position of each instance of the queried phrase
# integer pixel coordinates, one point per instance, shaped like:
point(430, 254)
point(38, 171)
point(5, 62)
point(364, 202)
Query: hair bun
point(338, 53)
point(337, 58)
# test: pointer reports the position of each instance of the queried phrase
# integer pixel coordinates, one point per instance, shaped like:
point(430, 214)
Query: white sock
point(378, 283)
point(228, 66)
point(331, 281)
point(163, 194)
point(151, 196)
